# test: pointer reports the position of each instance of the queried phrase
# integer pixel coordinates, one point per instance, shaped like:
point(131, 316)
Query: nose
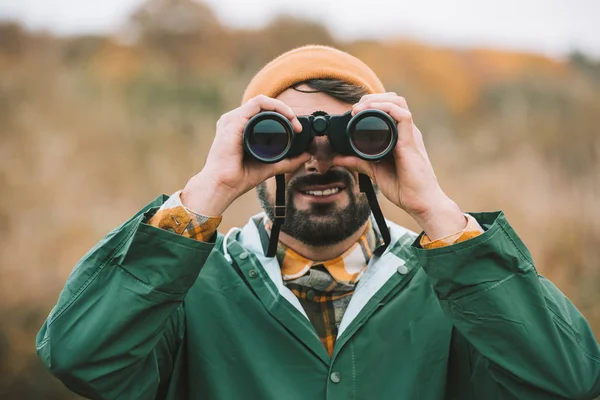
point(322, 156)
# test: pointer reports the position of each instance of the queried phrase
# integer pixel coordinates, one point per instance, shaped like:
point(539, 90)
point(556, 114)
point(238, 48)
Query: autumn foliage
point(93, 128)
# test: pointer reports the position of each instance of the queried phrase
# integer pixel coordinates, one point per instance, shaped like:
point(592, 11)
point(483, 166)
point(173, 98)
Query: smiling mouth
point(326, 192)
point(321, 191)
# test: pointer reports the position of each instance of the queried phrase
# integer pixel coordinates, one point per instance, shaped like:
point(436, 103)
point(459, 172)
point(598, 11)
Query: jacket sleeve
point(528, 340)
point(118, 323)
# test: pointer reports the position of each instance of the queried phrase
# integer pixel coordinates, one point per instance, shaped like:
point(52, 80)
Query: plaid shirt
point(324, 288)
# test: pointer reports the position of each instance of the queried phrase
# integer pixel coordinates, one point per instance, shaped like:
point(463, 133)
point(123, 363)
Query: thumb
point(354, 164)
point(289, 164)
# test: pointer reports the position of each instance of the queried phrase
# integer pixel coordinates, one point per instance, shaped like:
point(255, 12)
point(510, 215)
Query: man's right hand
point(228, 172)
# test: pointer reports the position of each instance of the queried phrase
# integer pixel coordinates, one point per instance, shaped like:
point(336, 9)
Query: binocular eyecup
point(370, 135)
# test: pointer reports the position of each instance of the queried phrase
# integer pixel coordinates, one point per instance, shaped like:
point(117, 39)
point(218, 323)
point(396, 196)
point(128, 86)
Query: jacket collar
point(379, 270)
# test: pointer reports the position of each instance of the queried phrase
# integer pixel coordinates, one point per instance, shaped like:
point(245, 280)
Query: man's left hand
point(406, 177)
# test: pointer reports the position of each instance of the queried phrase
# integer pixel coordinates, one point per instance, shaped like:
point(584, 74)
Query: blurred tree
point(586, 65)
point(13, 40)
point(80, 50)
point(186, 38)
point(181, 30)
point(253, 49)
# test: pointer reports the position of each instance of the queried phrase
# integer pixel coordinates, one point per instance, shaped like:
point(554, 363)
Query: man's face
point(323, 202)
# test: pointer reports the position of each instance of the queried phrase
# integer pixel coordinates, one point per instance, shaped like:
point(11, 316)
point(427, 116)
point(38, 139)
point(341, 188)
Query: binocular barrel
point(371, 135)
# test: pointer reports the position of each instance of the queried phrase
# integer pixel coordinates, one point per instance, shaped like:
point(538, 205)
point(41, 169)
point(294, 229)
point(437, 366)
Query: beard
point(322, 224)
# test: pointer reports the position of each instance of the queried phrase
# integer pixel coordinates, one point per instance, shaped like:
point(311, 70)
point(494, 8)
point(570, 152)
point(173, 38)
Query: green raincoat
point(149, 314)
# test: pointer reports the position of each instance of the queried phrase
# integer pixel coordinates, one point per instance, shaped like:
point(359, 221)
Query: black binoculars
point(371, 134)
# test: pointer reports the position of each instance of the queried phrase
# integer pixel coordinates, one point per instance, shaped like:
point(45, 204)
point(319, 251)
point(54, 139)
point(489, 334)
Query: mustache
point(331, 176)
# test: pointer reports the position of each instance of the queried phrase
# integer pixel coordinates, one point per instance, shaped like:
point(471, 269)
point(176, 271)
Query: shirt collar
point(346, 268)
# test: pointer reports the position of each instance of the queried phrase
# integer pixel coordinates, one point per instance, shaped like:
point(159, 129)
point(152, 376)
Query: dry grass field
point(93, 128)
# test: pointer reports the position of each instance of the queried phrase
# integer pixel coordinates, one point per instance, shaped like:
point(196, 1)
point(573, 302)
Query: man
point(162, 308)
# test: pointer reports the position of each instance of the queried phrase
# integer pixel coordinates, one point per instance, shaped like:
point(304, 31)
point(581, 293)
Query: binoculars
point(370, 135)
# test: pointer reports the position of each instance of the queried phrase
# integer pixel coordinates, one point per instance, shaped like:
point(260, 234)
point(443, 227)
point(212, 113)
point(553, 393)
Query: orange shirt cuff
point(178, 219)
point(473, 229)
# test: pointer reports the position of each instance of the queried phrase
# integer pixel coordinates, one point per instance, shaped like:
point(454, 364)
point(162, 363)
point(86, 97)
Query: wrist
point(441, 219)
point(204, 195)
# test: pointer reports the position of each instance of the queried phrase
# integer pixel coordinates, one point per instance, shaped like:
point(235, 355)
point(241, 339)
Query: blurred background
point(104, 106)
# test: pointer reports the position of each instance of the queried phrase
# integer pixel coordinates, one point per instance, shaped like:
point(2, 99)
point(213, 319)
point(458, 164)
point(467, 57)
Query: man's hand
point(406, 177)
point(227, 173)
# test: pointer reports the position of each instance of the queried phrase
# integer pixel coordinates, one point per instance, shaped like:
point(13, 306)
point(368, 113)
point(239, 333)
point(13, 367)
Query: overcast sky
point(553, 27)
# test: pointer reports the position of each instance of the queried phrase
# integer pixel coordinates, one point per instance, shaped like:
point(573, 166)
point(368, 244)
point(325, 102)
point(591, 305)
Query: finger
point(265, 103)
point(419, 139)
point(383, 98)
point(354, 164)
point(368, 97)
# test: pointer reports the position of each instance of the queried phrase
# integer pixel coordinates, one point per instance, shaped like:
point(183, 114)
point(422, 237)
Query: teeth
point(326, 192)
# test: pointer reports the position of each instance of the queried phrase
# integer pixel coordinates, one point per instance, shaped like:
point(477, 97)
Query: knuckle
point(224, 119)
point(261, 98)
point(254, 102)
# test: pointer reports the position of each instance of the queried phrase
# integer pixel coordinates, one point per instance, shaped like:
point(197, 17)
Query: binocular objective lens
point(371, 136)
point(268, 139)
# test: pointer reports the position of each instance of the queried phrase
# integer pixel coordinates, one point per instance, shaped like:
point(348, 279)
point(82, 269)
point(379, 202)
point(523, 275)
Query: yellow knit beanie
point(311, 62)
